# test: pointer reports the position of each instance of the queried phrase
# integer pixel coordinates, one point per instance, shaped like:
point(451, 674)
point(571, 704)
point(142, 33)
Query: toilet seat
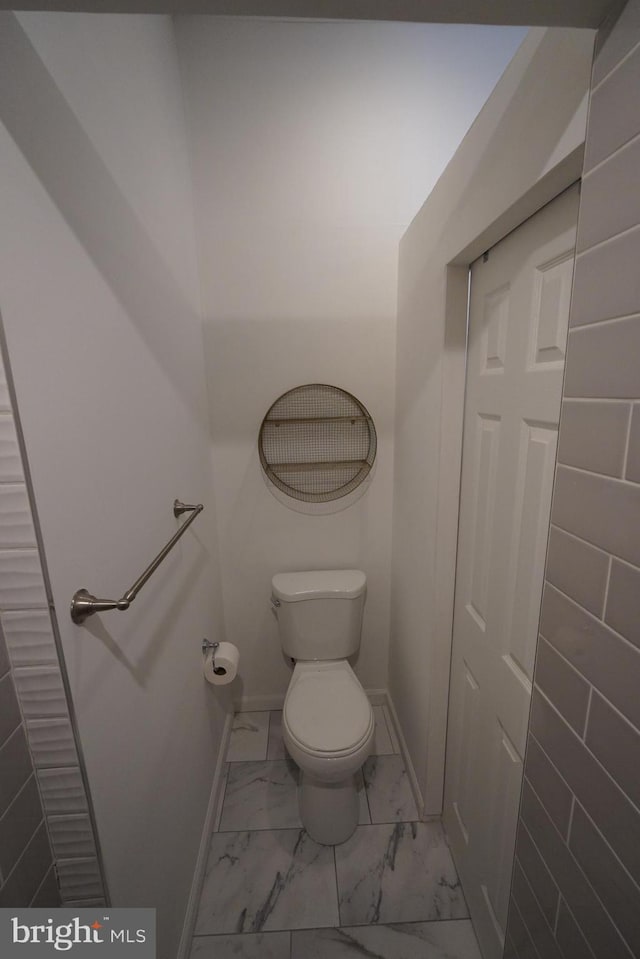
point(326, 711)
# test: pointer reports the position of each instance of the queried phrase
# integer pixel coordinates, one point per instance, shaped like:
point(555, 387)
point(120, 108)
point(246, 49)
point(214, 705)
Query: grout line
point(628, 442)
point(591, 615)
point(600, 549)
point(606, 842)
point(51, 869)
point(600, 400)
point(351, 925)
point(361, 825)
point(615, 68)
point(567, 662)
point(271, 711)
point(587, 716)
point(605, 598)
point(528, 944)
point(335, 873)
point(596, 760)
point(366, 795)
point(570, 911)
point(557, 916)
point(17, 795)
point(580, 539)
point(537, 902)
point(594, 472)
point(605, 321)
point(621, 716)
point(596, 828)
point(608, 241)
point(42, 822)
point(630, 879)
point(607, 476)
point(611, 156)
point(510, 944)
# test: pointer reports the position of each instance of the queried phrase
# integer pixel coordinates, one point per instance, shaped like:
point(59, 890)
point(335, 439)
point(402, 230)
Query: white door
point(518, 319)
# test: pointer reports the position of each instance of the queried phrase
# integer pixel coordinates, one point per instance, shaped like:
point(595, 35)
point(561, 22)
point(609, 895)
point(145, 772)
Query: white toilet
point(327, 720)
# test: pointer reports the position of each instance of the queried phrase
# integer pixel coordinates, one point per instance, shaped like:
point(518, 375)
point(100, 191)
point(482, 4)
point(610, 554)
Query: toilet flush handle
point(275, 603)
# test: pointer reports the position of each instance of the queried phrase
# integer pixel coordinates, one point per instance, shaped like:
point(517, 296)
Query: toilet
point(327, 719)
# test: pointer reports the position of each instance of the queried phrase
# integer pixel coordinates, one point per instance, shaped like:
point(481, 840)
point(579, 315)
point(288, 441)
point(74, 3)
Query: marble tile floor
point(389, 892)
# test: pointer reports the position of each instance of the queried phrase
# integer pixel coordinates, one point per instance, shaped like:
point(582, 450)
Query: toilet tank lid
point(319, 584)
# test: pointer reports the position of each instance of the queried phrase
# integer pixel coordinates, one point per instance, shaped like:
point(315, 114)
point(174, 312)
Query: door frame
point(555, 182)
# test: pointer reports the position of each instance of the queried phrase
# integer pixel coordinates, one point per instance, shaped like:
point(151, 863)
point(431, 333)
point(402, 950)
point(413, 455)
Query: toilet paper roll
point(220, 666)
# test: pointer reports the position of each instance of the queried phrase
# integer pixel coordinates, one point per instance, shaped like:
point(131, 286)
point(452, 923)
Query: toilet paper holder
point(208, 645)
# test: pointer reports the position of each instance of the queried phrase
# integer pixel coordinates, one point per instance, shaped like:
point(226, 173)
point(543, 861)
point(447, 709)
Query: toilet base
point(329, 811)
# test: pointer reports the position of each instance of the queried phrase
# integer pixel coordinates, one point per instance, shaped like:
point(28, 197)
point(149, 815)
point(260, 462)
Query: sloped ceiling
point(569, 13)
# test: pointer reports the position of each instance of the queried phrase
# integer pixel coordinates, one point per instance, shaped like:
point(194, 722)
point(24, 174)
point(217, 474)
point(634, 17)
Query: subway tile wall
point(576, 889)
point(48, 851)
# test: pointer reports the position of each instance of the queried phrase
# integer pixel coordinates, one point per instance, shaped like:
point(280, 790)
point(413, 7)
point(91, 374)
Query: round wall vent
point(317, 443)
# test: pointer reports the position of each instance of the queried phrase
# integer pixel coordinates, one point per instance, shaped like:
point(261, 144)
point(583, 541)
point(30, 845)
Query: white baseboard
point(404, 751)
point(205, 841)
point(255, 704)
point(377, 697)
point(258, 704)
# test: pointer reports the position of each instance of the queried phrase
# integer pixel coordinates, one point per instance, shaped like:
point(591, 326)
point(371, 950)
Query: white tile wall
point(62, 790)
point(29, 637)
point(5, 402)
point(52, 742)
point(72, 837)
point(21, 581)
point(79, 877)
point(16, 525)
point(10, 461)
point(40, 691)
point(28, 628)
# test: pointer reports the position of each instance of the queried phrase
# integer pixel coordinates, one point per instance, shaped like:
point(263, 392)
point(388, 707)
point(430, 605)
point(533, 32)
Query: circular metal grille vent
point(317, 443)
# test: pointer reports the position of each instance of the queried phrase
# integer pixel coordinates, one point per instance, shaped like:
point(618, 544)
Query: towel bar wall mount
point(85, 604)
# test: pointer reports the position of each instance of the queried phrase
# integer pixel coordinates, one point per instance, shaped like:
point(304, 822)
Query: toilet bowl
point(327, 727)
point(327, 719)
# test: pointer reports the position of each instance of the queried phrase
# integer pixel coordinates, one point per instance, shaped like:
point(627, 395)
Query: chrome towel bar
point(84, 604)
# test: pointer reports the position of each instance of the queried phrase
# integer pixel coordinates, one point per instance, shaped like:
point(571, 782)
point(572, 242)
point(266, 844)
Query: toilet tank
point(320, 612)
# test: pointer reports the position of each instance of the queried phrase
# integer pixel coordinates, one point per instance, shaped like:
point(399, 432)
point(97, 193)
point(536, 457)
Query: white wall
point(99, 294)
point(522, 150)
point(314, 145)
